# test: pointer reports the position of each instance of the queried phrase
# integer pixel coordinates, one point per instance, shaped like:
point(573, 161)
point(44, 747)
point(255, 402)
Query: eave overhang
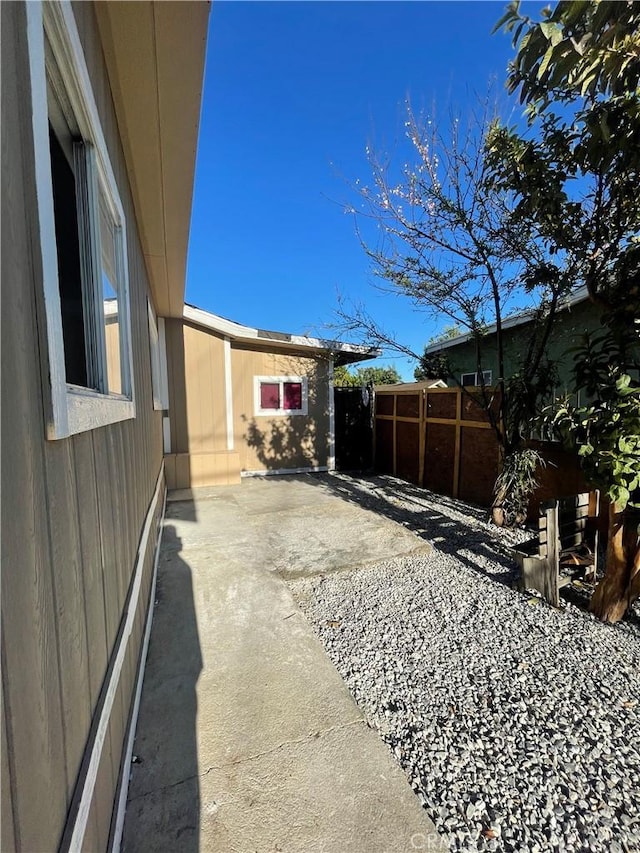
point(155, 56)
point(342, 353)
point(580, 295)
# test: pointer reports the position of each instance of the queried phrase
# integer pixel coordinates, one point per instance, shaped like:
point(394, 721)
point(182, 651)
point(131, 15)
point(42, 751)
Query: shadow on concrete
point(446, 526)
point(445, 529)
point(163, 808)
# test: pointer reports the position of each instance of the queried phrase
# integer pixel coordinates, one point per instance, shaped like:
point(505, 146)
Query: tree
point(577, 176)
point(606, 433)
point(449, 241)
point(449, 333)
point(342, 377)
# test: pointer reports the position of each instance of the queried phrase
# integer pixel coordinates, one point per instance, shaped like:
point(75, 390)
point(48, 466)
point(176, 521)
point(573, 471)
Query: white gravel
point(516, 724)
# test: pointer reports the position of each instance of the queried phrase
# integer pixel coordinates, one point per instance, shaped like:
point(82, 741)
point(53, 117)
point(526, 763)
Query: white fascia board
point(238, 332)
point(508, 323)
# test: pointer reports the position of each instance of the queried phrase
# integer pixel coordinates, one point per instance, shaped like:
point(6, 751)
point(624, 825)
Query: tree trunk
point(498, 515)
point(621, 583)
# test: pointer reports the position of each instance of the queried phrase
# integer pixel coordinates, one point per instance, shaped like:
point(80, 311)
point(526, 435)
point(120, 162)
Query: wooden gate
point(439, 438)
point(353, 428)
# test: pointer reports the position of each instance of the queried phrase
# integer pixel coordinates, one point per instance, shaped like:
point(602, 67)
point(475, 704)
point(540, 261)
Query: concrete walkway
point(248, 739)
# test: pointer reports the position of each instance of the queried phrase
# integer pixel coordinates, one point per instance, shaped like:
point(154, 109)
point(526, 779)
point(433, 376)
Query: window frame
point(476, 375)
point(281, 380)
point(158, 355)
point(72, 409)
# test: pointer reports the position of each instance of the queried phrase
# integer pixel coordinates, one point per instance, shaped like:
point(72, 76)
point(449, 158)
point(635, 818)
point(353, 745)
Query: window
point(475, 379)
point(281, 395)
point(82, 235)
point(158, 354)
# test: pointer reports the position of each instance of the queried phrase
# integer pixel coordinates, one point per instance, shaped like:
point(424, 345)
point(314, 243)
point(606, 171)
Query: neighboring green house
point(577, 316)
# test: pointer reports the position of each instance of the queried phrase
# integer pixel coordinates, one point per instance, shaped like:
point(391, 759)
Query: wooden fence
point(438, 438)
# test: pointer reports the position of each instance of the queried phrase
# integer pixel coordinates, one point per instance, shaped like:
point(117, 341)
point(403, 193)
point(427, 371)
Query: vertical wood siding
point(197, 399)
point(271, 443)
point(197, 407)
point(72, 510)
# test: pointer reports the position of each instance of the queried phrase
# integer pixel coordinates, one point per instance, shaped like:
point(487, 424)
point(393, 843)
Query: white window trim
point(275, 413)
point(476, 377)
point(228, 392)
point(332, 418)
point(158, 354)
point(71, 409)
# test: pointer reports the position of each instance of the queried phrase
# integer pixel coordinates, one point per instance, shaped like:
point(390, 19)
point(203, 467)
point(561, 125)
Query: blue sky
point(293, 93)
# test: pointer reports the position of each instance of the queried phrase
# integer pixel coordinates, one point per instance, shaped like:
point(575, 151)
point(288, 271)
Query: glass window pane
point(293, 395)
point(269, 395)
point(110, 297)
point(65, 213)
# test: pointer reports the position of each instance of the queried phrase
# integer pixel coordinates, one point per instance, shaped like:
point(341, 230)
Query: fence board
point(384, 447)
point(408, 451)
point(478, 465)
point(430, 437)
point(439, 458)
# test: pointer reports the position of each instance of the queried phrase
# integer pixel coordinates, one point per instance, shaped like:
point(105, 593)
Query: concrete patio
point(248, 739)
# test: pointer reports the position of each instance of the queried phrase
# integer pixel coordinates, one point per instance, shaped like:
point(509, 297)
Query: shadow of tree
point(454, 527)
point(292, 442)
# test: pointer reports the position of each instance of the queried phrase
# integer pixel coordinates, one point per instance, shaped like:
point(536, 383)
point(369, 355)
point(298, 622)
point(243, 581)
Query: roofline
point(155, 56)
point(238, 332)
point(508, 323)
point(421, 385)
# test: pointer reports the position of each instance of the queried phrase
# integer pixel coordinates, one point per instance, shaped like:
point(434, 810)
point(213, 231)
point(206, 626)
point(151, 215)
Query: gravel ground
point(516, 724)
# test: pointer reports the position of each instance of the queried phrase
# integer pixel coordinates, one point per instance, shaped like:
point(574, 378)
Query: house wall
point(268, 443)
point(571, 324)
point(72, 510)
point(199, 395)
point(197, 409)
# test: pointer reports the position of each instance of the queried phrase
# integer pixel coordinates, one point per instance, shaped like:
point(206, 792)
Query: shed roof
point(343, 353)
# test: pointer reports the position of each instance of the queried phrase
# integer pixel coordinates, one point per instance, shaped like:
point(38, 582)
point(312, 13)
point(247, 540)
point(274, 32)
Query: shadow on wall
point(284, 443)
point(163, 807)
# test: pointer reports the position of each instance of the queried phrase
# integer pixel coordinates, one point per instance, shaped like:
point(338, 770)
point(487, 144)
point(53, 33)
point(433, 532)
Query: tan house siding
point(72, 510)
point(196, 389)
point(274, 443)
point(197, 409)
point(198, 400)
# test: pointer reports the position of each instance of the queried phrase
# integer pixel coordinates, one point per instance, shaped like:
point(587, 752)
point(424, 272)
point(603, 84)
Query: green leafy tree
point(449, 333)
point(576, 174)
point(430, 368)
point(606, 434)
point(342, 377)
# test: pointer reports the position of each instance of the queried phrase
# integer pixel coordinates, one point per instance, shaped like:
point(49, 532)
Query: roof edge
point(508, 323)
point(238, 332)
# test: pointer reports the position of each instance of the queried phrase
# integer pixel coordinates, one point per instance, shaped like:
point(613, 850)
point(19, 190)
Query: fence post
point(395, 435)
point(422, 439)
point(457, 448)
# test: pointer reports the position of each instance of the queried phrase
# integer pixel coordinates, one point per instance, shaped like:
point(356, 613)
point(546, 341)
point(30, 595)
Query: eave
point(155, 55)
point(580, 295)
point(343, 353)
